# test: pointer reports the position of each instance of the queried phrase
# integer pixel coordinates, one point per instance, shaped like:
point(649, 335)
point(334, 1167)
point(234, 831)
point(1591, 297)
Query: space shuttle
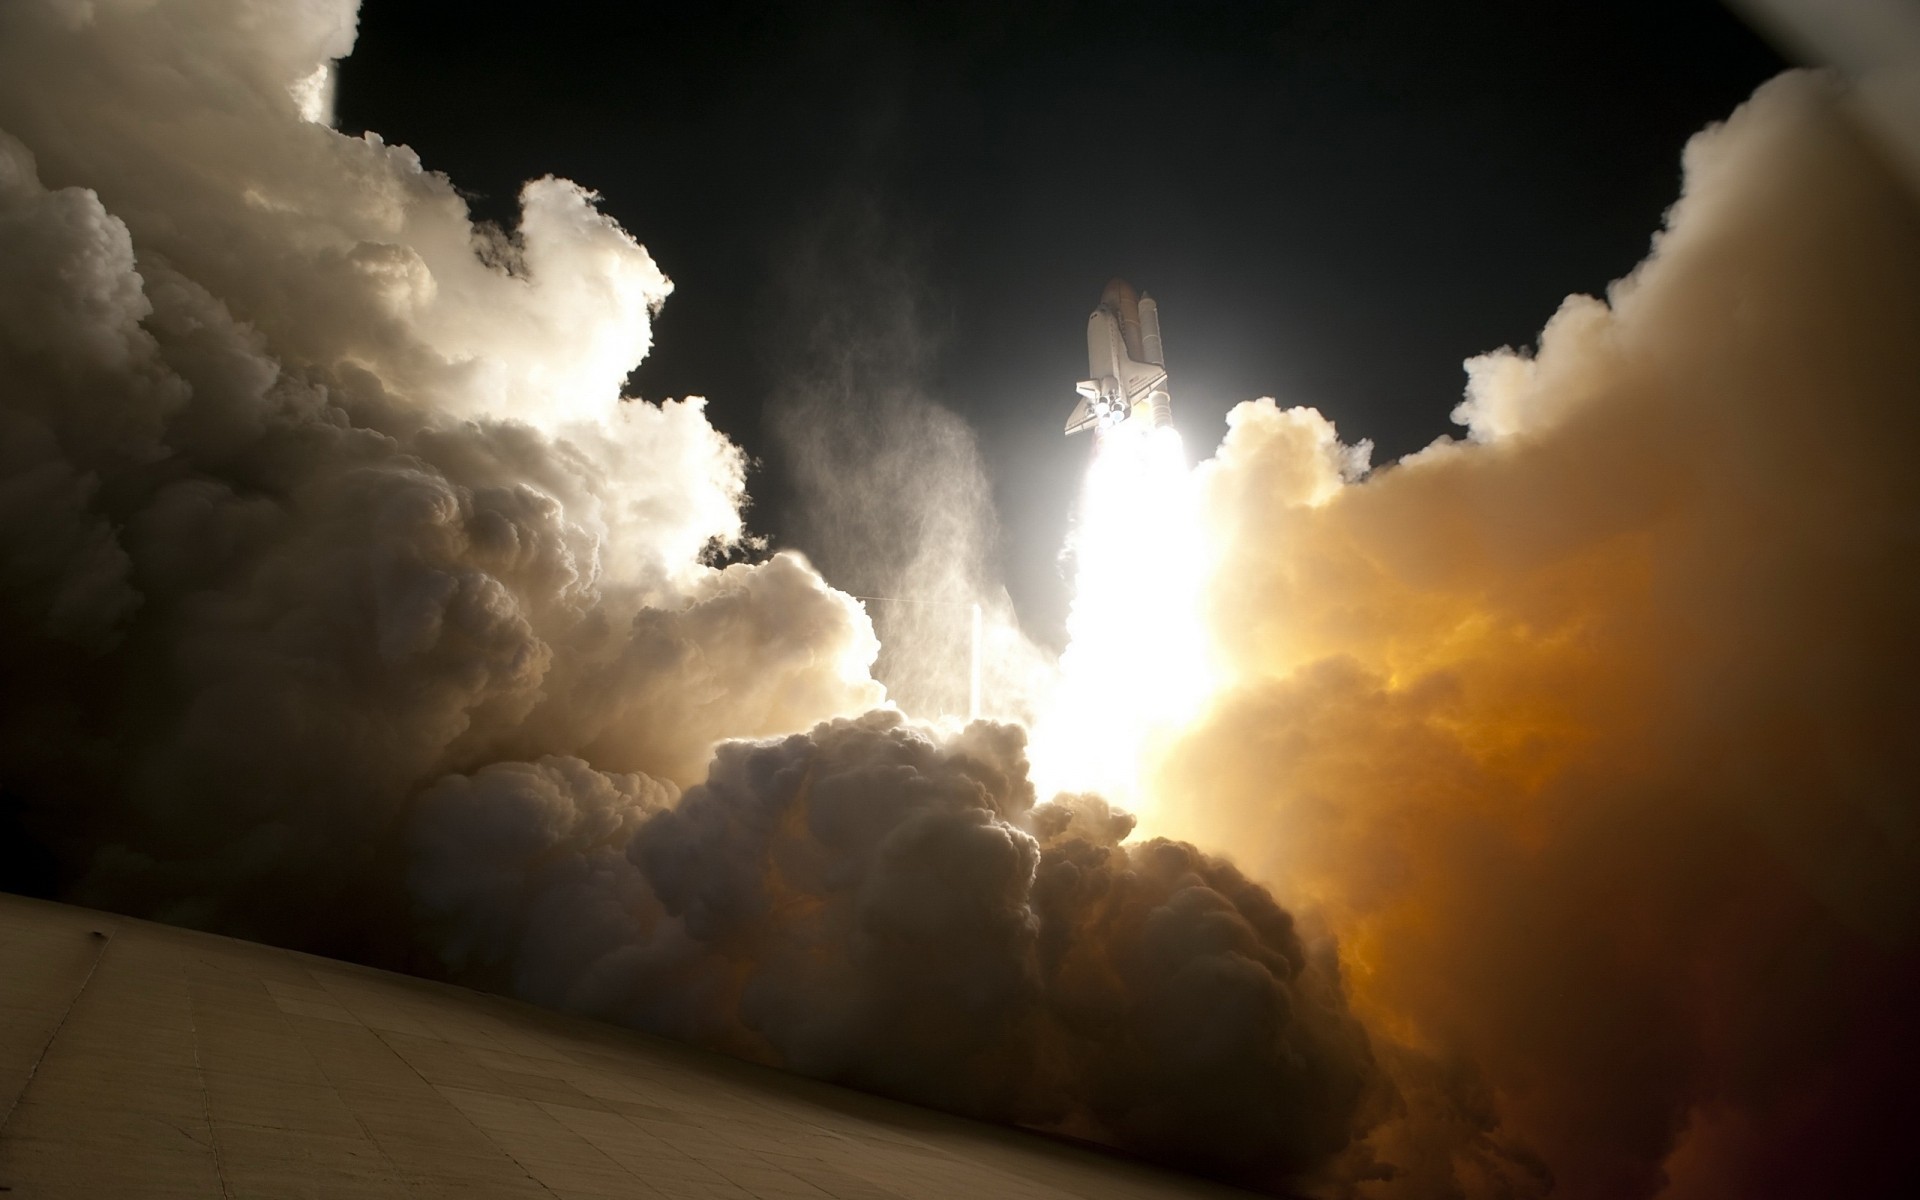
point(1127, 369)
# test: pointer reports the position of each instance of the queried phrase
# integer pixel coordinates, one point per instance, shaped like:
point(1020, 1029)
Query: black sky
point(1334, 202)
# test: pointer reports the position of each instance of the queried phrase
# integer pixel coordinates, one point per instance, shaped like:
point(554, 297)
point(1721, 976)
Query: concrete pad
point(138, 1060)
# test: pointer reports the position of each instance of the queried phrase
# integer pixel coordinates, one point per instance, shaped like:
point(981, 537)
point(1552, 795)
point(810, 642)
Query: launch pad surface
point(139, 1060)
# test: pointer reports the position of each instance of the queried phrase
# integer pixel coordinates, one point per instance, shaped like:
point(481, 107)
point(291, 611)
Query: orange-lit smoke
point(1592, 737)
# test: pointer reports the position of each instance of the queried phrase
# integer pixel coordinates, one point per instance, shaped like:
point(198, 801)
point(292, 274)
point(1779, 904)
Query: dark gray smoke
point(874, 904)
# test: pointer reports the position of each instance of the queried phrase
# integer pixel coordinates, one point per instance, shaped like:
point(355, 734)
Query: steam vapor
point(348, 605)
point(854, 422)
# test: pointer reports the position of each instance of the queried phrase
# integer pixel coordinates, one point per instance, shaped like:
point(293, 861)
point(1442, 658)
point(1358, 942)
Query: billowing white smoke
point(315, 491)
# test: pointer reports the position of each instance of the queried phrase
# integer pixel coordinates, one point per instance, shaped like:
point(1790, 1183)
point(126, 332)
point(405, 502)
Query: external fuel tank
point(1126, 365)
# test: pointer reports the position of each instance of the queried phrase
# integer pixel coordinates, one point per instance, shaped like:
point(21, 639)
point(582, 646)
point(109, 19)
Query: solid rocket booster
point(1126, 367)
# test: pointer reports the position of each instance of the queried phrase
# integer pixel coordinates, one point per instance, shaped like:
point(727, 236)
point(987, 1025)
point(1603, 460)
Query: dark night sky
point(1334, 202)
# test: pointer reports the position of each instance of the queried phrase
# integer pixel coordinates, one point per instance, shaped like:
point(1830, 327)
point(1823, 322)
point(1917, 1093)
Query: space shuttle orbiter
point(1127, 367)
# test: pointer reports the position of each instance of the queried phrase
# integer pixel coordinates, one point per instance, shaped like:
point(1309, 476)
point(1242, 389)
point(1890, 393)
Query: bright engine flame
point(1137, 666)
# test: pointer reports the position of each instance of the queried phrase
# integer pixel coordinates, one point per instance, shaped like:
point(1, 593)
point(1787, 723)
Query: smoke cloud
point(1590, 736)
point(346, 603)
point(349, 605)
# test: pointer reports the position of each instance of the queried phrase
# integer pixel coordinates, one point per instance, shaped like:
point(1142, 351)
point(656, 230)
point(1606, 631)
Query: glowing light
point(1137, 666)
